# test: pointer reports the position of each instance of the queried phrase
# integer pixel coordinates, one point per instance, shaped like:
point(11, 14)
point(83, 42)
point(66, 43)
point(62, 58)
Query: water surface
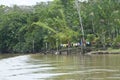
point(60, 67)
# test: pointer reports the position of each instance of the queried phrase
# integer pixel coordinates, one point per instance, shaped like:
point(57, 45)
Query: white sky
point(21, 2)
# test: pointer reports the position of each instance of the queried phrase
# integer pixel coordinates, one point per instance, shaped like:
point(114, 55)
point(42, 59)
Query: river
point(60, 67)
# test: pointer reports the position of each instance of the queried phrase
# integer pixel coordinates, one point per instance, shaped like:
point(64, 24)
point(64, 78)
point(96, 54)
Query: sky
point(20, 2)
point(23, 2)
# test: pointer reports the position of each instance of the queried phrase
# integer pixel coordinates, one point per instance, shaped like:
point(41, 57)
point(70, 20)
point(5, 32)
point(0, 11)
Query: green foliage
point(90, 37)
point(44, 26)
point(116, 42)
point(58, 22)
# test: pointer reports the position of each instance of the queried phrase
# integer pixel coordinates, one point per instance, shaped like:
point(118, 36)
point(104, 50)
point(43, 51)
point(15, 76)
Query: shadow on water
point(3, 56)
point(60, 67)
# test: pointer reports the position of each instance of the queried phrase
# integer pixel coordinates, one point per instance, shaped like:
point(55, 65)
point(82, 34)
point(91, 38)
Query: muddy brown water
point(60, 67)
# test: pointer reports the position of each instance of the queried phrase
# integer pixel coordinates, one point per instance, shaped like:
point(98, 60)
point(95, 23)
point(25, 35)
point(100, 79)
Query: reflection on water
point(60, 67)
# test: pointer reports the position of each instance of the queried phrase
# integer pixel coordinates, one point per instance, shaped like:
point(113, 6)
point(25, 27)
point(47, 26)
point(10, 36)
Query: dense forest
point(47, 25)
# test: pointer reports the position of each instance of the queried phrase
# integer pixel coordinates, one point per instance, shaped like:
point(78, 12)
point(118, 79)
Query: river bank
point(108, 51)
point(69, 51)
point(86, 51)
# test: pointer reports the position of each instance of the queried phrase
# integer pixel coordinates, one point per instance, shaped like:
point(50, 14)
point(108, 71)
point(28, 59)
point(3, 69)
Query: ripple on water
point(18, 68)
point(27, 68)
point(113, 78)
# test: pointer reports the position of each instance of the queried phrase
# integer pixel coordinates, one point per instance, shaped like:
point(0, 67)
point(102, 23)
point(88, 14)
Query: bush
point(116, 43)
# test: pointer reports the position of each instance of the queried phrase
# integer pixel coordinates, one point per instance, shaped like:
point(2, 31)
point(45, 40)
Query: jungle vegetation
point(23, 28)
